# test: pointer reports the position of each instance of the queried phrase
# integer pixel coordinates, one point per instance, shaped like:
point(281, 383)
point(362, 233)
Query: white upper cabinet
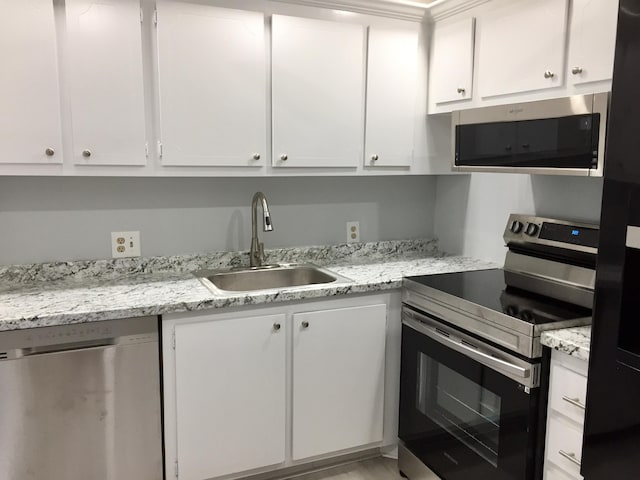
point(212, 84)
point(391, 97)
point(451, 65)
point(30, 125)
point(338, 379)
point(105, 82)
point(522, 47)
point(318, 92)
point(593, 40)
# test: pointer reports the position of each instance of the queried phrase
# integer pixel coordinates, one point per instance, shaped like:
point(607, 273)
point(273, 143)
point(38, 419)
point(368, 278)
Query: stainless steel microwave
point(564, 136)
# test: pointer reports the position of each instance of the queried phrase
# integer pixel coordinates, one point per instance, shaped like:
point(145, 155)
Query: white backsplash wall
point(472, 210)
point(51, 219)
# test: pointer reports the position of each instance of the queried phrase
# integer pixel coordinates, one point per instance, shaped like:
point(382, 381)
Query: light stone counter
point(78, 299)
point(572, 341)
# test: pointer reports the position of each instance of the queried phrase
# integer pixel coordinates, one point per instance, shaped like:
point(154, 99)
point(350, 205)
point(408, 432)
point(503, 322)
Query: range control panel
point(523, 229)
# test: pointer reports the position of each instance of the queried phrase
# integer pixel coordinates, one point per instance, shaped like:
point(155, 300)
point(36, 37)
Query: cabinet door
point(105, 82)
point(522, 47)
point(230, 395)
point(318, 92)
point(29, 87)
point(451, 66)
point(391, 97)
point(212, 85)
point(338, 379)
point(593, 40)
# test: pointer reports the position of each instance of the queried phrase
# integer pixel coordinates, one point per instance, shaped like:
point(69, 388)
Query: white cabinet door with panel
point(451, 65)
point(105, 82)
point(592, 40)
point(212, 82)
point(230, 395)
point(30, 125)
point(338, 379)
point(522, 47)
point(391, 97)
point(317, 92)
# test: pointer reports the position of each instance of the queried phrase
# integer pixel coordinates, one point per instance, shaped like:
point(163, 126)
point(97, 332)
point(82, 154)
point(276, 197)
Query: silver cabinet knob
point(374, 157)
point(305, 324)
point(256, 156)
point(49, 152)
point(549, 74)
point(284, 157)
point(276, 326)
point(461, 90)
point(86, 153)
point(576, 70)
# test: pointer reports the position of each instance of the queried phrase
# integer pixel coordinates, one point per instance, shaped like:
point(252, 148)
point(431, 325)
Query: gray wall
point(472, 210)
point(48, 219)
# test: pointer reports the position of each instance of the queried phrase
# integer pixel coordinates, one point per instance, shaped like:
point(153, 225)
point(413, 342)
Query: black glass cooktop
point(489, 289)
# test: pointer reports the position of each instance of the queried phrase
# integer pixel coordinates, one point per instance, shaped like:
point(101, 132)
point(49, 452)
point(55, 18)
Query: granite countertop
point(572, 341)
point(84, 294)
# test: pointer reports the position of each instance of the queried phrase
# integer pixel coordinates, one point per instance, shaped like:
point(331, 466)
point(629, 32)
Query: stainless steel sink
point(268, 277)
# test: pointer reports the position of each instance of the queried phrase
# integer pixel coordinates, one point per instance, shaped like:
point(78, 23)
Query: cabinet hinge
point(155, 17)
point(176, 468)
point(141, 15)
point(160, 149)
point(173, 345)
point(146, 149)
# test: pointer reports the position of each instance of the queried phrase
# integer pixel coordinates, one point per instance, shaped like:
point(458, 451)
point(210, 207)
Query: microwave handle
point(481, 357)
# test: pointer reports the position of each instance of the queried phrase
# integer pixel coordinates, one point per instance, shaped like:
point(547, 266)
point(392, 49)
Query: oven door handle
point(481, 357)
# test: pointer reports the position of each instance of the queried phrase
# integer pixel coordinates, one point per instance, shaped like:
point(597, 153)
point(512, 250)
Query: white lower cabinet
point(230, 395)
point(338, 379)
point(255, 391)
point(565, 417)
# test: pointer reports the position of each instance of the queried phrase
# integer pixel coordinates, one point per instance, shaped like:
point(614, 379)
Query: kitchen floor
point(374, 469)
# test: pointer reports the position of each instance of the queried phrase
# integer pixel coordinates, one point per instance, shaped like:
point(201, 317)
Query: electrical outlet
point(353, 232)
point(125, 244)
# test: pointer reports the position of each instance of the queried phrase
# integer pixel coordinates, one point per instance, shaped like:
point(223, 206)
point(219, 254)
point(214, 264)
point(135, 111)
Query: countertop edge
point(574, 341)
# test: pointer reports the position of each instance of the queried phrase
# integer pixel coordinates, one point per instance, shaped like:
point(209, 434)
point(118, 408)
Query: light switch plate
point(125, 244)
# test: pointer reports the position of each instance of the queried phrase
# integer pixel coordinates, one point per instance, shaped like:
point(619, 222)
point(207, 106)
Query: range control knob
point(516, 226)
point(531, 229)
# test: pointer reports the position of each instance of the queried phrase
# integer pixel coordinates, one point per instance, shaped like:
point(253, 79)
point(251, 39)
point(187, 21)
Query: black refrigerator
point(611, 449)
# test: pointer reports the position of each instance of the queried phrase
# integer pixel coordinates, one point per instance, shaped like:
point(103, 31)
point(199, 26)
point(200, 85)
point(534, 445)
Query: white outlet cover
point(125, 244)
point(353, 232)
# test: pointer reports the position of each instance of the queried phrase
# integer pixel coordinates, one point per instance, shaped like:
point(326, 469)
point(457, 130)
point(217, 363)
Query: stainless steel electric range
point(474, 378)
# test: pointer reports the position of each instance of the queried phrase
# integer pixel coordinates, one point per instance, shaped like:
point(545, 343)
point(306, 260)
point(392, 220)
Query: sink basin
point(268, 277)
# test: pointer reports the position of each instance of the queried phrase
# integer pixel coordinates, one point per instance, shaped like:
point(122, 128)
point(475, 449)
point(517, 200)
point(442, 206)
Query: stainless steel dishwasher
point(81, 402)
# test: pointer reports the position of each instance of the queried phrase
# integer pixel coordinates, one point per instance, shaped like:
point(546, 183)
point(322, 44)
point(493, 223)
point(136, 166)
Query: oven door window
point(468, 411)
point(461, 418)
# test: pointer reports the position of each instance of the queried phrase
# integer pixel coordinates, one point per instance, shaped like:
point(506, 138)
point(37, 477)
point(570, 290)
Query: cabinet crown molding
point(451, 8)
point(380, 8)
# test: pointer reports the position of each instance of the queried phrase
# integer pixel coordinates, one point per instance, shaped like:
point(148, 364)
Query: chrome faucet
point(256, 254)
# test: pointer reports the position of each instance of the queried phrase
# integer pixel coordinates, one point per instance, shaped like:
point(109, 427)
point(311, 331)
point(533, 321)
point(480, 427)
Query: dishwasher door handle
point(64, 347)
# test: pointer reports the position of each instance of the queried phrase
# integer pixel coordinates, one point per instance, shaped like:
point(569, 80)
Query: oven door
point(467, 409)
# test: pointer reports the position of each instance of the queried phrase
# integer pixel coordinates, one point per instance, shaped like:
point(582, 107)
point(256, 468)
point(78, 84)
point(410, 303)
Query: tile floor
point(374, 469)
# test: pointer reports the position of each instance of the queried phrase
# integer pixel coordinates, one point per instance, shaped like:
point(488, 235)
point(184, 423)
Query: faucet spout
point(256, 254)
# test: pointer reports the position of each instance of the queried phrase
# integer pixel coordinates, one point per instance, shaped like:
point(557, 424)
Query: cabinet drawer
point(551, 472)
point(564, 445)
point(568, 392)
